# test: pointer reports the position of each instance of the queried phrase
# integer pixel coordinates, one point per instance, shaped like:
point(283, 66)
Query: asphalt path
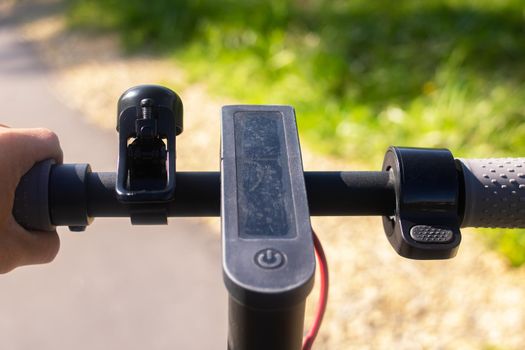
point(113, 286)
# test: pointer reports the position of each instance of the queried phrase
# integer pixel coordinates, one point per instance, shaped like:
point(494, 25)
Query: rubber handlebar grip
point(31, 204)
point(494, 192)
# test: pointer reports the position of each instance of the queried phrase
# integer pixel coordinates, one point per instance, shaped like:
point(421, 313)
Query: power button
point(269, 258)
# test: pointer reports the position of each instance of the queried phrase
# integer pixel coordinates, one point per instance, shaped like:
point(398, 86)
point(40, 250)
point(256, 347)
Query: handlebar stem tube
point(249, 327)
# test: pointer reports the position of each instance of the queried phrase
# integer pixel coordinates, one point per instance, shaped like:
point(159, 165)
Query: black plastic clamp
point(426, 223)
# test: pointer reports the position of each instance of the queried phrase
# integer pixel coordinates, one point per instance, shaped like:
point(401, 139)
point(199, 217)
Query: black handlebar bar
point(76, 195)
point(492, 193)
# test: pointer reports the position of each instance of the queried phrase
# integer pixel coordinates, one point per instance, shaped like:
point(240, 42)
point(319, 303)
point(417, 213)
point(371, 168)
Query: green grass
point(361, 74)
point(510, 243)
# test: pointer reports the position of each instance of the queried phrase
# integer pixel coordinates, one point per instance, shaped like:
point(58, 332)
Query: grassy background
point(362, 75)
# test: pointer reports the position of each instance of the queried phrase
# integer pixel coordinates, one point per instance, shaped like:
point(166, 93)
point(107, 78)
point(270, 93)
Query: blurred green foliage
point(361, 74)
point(509, 242)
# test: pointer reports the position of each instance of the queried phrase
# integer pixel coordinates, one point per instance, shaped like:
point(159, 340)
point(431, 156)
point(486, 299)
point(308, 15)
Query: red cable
point(323, 294)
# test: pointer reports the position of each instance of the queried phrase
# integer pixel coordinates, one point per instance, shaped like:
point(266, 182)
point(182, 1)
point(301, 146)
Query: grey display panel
point(264, 194)
point(268, 255)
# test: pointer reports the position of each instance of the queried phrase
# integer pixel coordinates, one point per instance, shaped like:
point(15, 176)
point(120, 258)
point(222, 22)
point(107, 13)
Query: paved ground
point(113, 286)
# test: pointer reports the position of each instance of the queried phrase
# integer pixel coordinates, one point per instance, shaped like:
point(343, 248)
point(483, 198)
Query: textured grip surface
point(31, 205)
point(494, 192)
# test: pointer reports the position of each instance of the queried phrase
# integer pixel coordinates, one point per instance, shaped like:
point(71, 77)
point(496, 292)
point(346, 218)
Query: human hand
point(20, 149)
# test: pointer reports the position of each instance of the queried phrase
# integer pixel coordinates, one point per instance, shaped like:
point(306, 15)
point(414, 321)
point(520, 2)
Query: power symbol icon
point(269, 258)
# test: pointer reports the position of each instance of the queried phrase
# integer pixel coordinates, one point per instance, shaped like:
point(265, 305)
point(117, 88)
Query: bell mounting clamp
point(149, 118)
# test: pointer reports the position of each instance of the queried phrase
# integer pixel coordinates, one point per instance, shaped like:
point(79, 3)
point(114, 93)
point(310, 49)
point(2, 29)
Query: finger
point(29, 146)
point(40, 144)
point(9, 257)
point(33, 247)
point(4, 126)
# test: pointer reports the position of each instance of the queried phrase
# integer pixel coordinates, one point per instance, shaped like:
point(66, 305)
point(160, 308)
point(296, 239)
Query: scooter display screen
point(264, 194)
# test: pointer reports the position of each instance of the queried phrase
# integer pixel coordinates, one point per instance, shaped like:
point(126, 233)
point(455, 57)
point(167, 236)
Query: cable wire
point(323, 294)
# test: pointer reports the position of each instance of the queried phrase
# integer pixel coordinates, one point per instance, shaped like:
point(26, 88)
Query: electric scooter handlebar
point(265, 201)
point(423, 195)
point(492, 194)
